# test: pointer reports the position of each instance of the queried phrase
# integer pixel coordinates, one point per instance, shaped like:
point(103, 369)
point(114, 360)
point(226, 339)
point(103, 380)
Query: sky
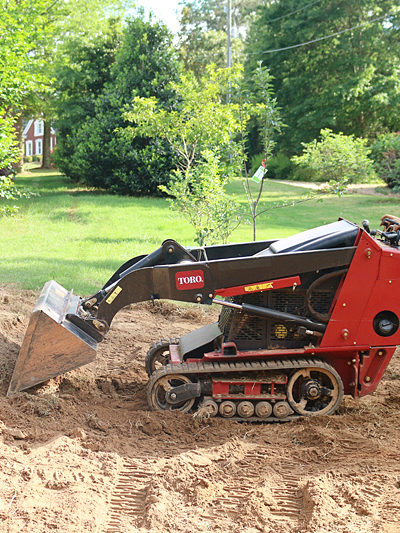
point(165, 10)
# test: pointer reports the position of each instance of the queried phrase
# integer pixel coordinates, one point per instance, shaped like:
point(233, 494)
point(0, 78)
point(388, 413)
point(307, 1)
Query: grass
point(79, 236)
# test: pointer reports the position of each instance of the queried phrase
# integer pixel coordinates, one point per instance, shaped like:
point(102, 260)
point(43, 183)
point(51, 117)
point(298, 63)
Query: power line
point(293, 12)
point(325, 37)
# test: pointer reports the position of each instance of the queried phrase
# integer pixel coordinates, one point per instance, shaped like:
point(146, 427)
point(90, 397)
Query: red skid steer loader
point(304, 320)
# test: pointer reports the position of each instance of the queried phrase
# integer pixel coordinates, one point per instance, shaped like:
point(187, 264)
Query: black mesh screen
point(251, 332)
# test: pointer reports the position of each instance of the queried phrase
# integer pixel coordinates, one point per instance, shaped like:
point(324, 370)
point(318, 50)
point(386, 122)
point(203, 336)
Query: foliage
point(201, 131)
point(385, 152)
point(9, 191)
point(80, 81)
point(203, 32)
point(199, 194)
point(262, 107)
point(280, 166)
point(23, 29)
point(347, 83)
point(96, 87)
point(338, 159)
point(200, 121)
point(8, 144)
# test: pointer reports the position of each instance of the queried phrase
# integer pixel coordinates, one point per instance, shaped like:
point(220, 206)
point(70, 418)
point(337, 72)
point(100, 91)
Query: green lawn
point(79, 237)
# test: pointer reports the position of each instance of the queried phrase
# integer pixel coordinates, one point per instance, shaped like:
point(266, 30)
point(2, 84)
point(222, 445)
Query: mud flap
point(52, 344)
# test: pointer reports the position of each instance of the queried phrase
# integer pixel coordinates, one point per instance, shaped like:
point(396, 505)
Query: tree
point(259, 108)
point(199, 194)
point(202, 132)
point(203, 32)
point(22, 29)
point(97, 86)
point(33, 33)
point(75, 21)
point(80, 79)
point(348, 82)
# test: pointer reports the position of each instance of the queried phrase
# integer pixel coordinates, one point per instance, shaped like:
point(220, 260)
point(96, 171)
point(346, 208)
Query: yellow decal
point(280, 331)
point(259, 287)
point(113, 295)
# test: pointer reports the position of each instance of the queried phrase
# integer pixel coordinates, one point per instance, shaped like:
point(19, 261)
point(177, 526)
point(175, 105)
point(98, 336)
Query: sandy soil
point(83, 454)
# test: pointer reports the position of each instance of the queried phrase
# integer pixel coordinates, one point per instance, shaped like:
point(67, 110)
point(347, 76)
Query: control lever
point(365, 224)
point(392, 236)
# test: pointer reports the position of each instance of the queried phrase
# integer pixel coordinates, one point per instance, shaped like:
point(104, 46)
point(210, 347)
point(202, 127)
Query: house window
point(38, 128)
point(38, 147)
point(28, 148)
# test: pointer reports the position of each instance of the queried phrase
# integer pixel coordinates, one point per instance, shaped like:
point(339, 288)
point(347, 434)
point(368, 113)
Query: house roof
point(29, 124)
point(26, 129)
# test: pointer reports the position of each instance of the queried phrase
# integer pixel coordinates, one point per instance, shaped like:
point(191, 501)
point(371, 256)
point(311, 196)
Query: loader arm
point(199, 281)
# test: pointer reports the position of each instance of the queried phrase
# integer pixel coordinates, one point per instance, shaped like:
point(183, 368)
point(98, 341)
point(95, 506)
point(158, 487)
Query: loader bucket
point(52, 344)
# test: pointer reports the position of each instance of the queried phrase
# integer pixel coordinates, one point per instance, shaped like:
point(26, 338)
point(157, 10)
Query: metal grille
point(251, 332)
point(247, 331)
point(289, 301)
point(321, 300)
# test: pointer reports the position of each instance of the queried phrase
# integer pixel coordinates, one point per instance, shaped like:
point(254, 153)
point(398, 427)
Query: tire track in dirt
point(128, 500)
point(251, 474)
point(288, 496)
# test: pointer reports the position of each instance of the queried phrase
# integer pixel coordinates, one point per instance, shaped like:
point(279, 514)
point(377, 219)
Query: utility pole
point(229, 33)
point(229, 46)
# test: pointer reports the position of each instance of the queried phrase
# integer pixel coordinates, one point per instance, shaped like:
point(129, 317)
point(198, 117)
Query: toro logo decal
point(190, 279)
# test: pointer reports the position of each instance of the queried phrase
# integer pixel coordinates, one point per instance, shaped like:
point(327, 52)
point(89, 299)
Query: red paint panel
point(252, 389)
point(372, 368)
point(189, 279)
point(260, 286)
point(389, 268)
point(354, 297)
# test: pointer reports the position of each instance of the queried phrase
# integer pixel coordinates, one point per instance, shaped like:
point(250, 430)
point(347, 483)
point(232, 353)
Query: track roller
point(245, 409)
point(282, 409)
point(263, 409)
point(227, 409)
point(209, 406)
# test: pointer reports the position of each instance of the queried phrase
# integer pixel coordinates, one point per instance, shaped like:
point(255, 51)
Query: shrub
point(280, 167)
point(255, 162)
point(337, 158)
point(385, 152)
point(302, 173)
point(199, 194)
point(96, 88)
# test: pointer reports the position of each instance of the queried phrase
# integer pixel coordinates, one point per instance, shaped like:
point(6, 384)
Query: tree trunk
point(46, 158)
point(19, 129)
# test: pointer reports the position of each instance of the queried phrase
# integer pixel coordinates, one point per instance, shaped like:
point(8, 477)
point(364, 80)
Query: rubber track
point(164, 343)
point(190, 369)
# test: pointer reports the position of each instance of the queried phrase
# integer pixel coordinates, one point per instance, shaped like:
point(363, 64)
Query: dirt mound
point(83, 453)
